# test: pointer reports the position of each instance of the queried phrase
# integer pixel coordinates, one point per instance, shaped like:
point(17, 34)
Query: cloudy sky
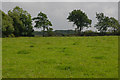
point(57, 12)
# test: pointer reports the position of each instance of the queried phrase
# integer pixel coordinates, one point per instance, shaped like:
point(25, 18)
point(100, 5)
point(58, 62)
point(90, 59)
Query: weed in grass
point(49, 48)
point(67, 54)
point(67, 68)
point(62, 49)
point(75, 43)
point(48, 43)
point(99, 57)
point(86, 74)
point(31, 46)
point(23, 52)
point(63, 67)
point(46, 61)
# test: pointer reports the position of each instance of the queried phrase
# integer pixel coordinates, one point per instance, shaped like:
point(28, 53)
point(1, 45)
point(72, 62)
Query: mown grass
point(60, 57)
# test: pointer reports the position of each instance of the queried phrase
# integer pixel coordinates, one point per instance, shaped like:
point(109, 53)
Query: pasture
point(60, 57)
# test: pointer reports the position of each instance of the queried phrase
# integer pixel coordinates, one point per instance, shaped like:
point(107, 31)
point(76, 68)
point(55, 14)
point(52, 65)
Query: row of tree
point(104, 23)
point(18, 22)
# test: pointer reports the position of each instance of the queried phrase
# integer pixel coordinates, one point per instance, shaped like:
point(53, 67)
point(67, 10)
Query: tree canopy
point(0, 23)
point(18, 22)
point(7, 25)
point(80, 19)
point(115, 26)
point(42, 21)
point(22, 22)
point(105, 23)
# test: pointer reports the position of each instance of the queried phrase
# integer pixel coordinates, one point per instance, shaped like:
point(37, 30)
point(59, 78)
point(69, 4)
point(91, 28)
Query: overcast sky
point(57, 12)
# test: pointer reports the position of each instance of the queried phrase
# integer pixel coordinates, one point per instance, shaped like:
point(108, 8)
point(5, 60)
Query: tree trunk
point(43, 31)
point(114, 29)
point(47, 31)
point(80, 30)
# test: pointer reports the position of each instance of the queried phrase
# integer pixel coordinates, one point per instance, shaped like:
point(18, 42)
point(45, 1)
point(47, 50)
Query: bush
point(90, 33)
point(12, 35)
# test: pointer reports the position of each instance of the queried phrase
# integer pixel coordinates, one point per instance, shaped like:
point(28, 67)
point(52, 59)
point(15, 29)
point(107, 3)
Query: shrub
point(90, 33)
point(12, 35)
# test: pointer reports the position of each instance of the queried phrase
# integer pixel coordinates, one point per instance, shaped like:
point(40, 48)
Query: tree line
point(18, 22)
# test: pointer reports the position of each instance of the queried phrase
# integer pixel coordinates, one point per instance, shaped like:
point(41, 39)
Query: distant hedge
point(73, 33)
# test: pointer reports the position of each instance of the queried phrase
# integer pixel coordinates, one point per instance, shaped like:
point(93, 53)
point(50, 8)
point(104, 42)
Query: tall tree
point(22, 22)
point(115, 26)
point(103, 22)
point(7, 25)
point(80, 19)
point(0, 23)
point(42, 21)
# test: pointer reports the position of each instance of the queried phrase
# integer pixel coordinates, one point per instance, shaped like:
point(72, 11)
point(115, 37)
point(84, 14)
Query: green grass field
point(60, 57)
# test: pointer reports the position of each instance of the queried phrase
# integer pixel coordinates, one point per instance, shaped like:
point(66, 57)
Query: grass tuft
point(23, 52)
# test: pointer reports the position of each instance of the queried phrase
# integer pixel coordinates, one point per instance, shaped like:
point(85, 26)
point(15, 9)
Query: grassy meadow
point(60, 57)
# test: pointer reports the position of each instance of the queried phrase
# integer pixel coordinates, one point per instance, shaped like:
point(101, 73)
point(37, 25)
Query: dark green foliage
point(41, 21)
point(0, 23)
point(64, 32)
point(103, 22)
point(90, 33)
point(72, 33)
point(115, 26)
point(106, 23)
point(18, 22)
point(22, 22)
point(7, 25)
point(80, 19)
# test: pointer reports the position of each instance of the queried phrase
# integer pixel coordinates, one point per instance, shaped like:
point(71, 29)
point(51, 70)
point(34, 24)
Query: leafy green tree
point(7, 25)
point(115, 26)
point(0, 23)
point(103, 22)
point(42, 21)
point(80, 19)
point(22, 22)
